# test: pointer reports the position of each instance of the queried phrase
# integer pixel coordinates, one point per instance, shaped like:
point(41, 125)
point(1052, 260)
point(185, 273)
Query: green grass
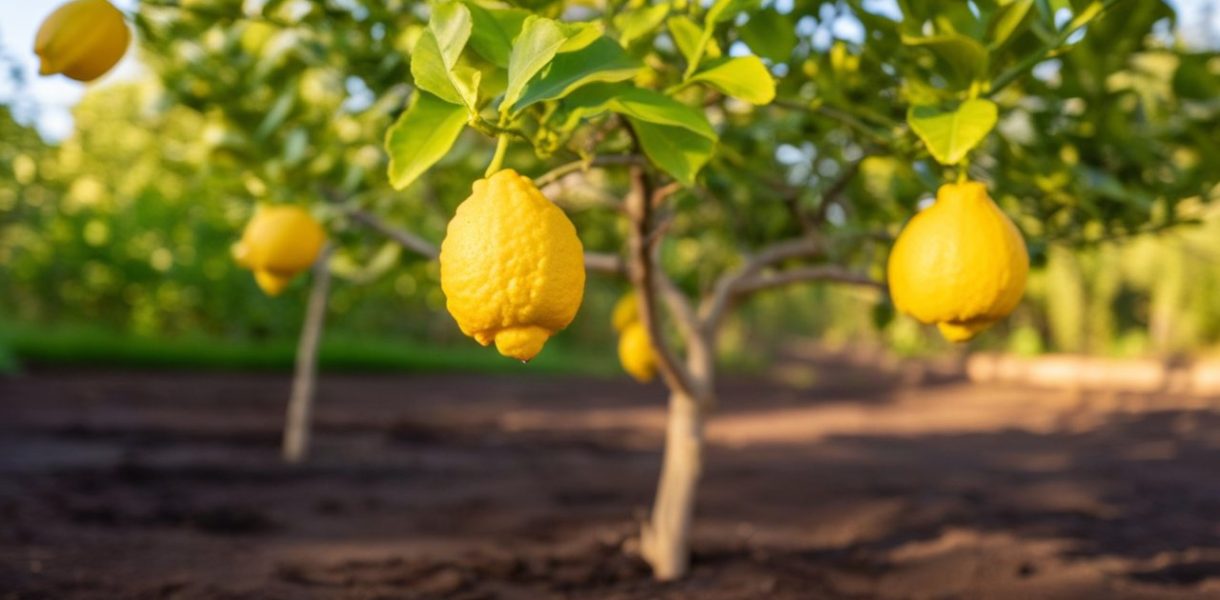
point(78, 346)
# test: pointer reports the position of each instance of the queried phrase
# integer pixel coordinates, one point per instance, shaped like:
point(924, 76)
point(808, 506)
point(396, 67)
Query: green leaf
point(770, 35)
point(1085, 15)
point(278, 113)
point(540, 39)
point(450, 27)
point(723, 10)
point(494, 30)
point(675, 150)
point(421, 136)
point(457, 86)
point(636, 23)
point(639, 103)
point(644, 105)
point(950, 135)
point(687, 36)
point(580, 34)
point(966, 57)
point(1006, 21)
point(745, 78)
point(603, 60)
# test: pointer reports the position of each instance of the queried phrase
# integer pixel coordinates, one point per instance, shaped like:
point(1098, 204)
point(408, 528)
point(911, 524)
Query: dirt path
point(168, 486)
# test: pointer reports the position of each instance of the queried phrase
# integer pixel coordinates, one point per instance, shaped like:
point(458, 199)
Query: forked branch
point(643, 272)
point(712, 309)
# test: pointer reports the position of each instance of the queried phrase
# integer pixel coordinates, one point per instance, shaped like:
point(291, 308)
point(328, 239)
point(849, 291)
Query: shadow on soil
point(163, 486)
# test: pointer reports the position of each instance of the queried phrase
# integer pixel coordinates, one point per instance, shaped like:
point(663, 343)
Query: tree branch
point(679, 305)
point(406, 239)
point(837, 187)
point(581, 165)
point(642, 269)
point(712, 309)
point(828, 273)
point(885, 139)
point(607, 264)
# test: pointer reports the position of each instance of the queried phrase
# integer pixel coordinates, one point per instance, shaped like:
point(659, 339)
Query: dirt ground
point(131, 485)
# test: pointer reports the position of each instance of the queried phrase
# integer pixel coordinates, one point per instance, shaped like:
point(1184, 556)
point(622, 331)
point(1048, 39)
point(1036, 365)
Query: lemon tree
point(728, 147)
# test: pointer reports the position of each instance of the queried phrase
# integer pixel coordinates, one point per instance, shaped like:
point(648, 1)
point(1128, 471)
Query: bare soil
point(146, 486)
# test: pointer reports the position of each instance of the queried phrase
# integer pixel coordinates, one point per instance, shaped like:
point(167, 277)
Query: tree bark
point(300, 405)
point(665, 539)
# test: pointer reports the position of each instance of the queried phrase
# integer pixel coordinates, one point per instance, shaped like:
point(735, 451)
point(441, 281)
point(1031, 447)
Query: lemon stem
point(497, 159)
point(963, 173)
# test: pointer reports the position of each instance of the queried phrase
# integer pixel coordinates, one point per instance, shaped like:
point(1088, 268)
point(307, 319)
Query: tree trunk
point(300, 405)
point(665, 540)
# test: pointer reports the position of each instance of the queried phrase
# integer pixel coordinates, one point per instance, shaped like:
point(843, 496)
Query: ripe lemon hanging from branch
point(512, 267)
point(635, 351)
point(961, 263)
point(279, 243)
point(82, 39)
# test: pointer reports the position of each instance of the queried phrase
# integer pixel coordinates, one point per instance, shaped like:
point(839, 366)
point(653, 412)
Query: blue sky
point(47, 101)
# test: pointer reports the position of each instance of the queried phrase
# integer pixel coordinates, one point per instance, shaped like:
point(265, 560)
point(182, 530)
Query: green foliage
point(836, 117)
point(603, 60)
point(951, 134)
point(745, 78)
point(421, 136)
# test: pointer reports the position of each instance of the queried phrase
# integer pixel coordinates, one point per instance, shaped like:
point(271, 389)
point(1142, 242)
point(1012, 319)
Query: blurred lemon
point(277, 244)
point(512, 267)
point(636, 354)
point(626, 312)
point(960, 263)
point(82, 39)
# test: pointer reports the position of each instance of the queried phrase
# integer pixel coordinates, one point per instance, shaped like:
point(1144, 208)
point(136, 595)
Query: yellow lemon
point(512, 268)
point(277, 244)
point(960, 263)
point(635, 353)
point(626, 312)
point(82, 39)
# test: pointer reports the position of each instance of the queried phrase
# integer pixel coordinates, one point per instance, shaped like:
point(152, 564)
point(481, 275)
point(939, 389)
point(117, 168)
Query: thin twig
point(605, 160)
point(712, 310)
point(827, 273)
point(837, 188)
point(406, 239)
point(661, 194)
point(607, 264)
point(884, 139)
point(679, 306)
